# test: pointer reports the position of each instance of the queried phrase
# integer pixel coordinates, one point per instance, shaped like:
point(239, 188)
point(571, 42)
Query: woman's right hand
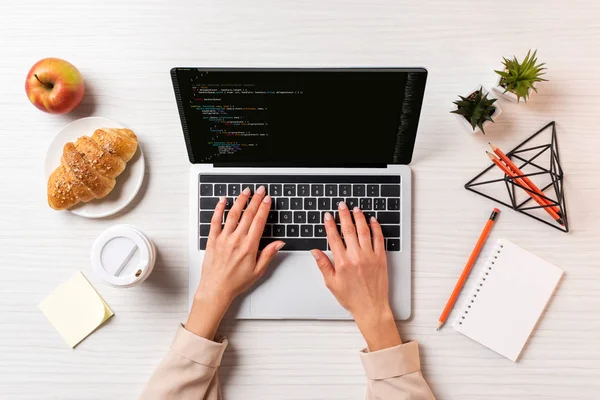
point(358, 276)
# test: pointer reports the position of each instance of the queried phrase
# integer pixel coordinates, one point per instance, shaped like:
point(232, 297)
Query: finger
point(217, 219)
point(266, 256)
point(236, 211)
point(333, 236)
point(260, 219)
point(348, 229)
point(251, 210)
point(362, 229)
point(378, 240)
point(324, 264)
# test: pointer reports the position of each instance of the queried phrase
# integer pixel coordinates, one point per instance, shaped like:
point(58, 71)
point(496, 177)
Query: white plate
point(128, 183)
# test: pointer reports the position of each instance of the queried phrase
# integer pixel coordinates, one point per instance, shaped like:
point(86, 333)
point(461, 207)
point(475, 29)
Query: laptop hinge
point(285, 165)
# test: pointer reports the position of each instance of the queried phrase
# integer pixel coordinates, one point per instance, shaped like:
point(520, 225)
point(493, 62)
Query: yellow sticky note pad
point(75, 309)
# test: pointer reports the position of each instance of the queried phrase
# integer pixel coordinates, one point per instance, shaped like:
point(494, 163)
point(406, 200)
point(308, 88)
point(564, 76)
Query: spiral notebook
point(508, 299)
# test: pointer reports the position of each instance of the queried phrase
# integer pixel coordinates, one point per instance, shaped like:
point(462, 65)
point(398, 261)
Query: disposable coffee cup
point(123, 256)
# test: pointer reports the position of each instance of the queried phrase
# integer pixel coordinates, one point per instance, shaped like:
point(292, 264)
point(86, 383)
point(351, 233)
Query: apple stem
point(48, 85)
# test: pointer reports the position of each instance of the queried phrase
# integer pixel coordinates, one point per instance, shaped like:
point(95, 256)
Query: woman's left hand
point(232, 262)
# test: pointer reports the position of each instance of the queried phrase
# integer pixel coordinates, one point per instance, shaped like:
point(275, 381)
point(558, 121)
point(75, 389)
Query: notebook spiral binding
point(485, 274)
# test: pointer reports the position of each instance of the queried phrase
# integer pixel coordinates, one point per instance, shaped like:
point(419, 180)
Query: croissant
point(89, 166)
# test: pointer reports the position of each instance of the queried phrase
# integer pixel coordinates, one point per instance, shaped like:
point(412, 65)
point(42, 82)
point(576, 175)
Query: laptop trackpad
point(293, 288)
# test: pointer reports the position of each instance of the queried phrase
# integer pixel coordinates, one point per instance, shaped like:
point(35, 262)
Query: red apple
point(54, 86)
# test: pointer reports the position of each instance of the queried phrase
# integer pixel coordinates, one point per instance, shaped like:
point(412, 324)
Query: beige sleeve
point(188, 371)
point(395, 374)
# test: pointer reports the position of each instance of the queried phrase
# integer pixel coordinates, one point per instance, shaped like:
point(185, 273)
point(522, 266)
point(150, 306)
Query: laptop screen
point(299, 117)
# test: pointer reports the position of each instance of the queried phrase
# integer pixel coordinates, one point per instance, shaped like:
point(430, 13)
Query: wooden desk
point(125, 50)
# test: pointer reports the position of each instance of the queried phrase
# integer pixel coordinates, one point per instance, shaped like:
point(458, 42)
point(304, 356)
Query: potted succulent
point(516, 81)
point(476, 111)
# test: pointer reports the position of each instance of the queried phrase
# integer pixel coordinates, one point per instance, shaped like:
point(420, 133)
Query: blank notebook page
point(508, 299)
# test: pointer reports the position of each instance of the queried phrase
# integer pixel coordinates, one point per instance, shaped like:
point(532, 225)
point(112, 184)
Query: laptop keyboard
point(300, 202)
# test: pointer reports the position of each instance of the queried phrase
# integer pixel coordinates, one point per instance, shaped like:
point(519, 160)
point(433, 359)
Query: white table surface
point(125, 49)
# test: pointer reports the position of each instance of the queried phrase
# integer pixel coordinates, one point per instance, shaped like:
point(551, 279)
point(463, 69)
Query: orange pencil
point(520, 181)
point(526, 179)
point(467, 270)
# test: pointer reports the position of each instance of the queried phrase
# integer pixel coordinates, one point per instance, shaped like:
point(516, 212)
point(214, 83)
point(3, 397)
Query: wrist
point(206, 315)
point(379, 329)
point(215, 300)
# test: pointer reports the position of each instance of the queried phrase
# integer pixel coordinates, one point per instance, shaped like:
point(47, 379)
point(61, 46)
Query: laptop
point(313, 137)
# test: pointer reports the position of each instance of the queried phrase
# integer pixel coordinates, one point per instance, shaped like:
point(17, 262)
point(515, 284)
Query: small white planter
point(499, 90)
point(467, 125)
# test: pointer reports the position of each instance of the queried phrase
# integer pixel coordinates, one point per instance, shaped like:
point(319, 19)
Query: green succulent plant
point(520, 77)
point(476, 108)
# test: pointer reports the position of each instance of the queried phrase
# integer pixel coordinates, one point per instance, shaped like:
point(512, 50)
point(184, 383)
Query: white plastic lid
point(122, 256)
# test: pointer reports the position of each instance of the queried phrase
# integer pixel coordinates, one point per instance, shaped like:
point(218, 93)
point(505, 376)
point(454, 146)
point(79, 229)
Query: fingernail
point(327, 216)
point(222, 199)
point(355, 209)
point(373, 219)
point(279, 246)
point(260, 190)
point(315, 254)
point(342, 206)
point(246, 191)
point(267, 199)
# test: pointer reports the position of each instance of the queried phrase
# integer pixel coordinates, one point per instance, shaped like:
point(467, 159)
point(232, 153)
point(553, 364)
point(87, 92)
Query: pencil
point(520, 181)
point(467, 270)
point(526, 179)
